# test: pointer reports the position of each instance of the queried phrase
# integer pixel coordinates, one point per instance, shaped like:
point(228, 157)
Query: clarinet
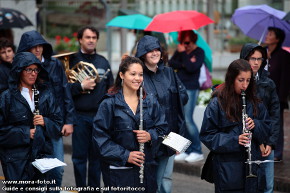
point(246, 130)
point(141, 145)
point(36, 101)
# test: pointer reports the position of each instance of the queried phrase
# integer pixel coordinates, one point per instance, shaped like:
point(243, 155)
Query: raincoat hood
point(247, 49)
point(20, 62)
point(146, 44)
point(33, 38)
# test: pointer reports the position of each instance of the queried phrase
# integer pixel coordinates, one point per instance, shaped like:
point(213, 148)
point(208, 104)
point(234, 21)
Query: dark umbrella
point(11, 18)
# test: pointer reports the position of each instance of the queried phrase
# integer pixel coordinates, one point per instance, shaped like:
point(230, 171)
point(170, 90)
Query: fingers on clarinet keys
point(250, 123)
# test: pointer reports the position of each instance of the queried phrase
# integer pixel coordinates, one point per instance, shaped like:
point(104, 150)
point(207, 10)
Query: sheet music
point(46, 164)
point(176, 142)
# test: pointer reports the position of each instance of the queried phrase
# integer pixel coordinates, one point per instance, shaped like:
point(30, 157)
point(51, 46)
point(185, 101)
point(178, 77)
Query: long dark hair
point(126, 62)
point(229, 100)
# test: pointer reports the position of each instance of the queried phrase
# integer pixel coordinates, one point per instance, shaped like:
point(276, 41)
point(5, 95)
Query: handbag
point(207, 169)
point(205, 79)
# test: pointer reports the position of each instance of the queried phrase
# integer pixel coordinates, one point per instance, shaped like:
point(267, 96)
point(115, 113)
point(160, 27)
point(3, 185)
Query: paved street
point(181, 182)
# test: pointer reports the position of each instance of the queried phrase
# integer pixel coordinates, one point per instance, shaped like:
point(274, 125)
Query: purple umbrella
point(254, 21)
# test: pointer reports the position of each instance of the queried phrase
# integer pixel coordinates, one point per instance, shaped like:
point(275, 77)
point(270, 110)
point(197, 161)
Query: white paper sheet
point(176, 142)
point(46, 164)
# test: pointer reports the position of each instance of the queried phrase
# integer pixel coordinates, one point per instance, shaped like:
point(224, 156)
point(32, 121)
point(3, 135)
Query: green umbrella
point(134, 21)
point(200, 43)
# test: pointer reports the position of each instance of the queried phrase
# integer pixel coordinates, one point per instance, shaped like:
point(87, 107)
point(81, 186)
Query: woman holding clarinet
point(29, 118)
point(126, 134)
point(235, 124)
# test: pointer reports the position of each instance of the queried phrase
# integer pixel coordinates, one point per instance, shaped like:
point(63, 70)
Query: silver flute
point(141, 145)
point(36, 101)
point(246, 130)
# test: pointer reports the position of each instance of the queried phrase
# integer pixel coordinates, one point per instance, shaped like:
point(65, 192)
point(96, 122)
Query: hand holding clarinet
point(37, 119)
point(248, 124)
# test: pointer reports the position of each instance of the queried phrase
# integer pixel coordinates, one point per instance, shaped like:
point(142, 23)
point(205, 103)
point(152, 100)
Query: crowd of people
point(117, 127)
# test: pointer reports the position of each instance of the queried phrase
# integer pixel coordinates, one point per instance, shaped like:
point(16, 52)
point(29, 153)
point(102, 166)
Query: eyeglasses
point(256, 59)
point(186, 43)
point(30, 70)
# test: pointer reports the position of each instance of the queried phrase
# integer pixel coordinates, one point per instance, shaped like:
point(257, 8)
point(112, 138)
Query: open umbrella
point(134, 21)
point(178, 21)
point(10, 18)
point(287, 17)
point(254, 21)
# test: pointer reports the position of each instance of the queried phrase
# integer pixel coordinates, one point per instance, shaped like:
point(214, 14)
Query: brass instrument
point(141, 145)
point(78, 72)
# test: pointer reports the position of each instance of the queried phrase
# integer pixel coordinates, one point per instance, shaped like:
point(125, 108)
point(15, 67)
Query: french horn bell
point(78, 72)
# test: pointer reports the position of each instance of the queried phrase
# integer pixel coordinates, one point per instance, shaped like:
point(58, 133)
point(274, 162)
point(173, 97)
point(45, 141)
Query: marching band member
point(256, 55)
point(161, 81)
point(20, 142)
point(32, 41)
point(86, 96)
point(117, 136)
point(7, 50)
point(222, 131)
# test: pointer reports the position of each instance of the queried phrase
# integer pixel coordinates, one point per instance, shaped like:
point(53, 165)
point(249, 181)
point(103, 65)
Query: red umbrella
point(178, 21)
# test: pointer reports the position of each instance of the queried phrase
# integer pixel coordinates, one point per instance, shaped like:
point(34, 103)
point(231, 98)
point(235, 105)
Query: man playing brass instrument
point(86, 105)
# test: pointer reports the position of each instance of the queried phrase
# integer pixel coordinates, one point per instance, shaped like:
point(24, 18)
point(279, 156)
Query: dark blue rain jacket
point(266, 91)
point(5, 69)
point(113, 134)
point(56, 72)
point(221, 137)
point(167, 88)
point(17, 150)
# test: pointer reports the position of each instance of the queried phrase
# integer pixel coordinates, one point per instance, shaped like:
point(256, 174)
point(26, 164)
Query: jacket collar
point(160, 67)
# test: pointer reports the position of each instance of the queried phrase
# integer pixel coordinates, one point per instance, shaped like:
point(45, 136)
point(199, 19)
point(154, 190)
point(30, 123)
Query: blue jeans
point(164, 174)
point(191, 132)
point(83, 153)
point(269, 173)
point(56, 173)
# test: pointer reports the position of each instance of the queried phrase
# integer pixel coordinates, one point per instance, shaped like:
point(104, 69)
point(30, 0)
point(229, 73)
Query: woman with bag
point(187, 61)
point(222, 131)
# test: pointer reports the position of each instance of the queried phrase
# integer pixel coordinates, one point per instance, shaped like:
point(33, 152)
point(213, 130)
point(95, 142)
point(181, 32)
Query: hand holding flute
point(142, 136)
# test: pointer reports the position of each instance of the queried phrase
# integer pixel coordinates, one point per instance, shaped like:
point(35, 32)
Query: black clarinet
point(246, 130)
point(249, 145)
point(36, 101)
